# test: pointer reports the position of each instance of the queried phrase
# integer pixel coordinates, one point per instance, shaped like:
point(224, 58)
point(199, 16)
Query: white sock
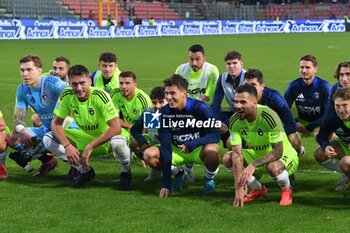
point(188, 168)
point(121, 152)
point(174, 170)
point(209, 174)
point(51, 143)
point(253, 183)
point(332, 164)
point(84, 170)
point(3, 157)
point(283, 179)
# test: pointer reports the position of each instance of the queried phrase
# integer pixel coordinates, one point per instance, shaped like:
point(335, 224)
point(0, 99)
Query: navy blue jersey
point(276, 102)
point(191, 137)
point(330, 110)
point(310, 100)
point(333, 125)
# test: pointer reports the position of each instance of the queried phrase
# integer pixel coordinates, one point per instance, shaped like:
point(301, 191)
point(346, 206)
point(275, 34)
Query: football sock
point(188, 168)
point(121, 152)
point(174, 170)
point(209, 174)
point(332, 164)
point(253, 183)
point(56, 148)
point(283, 179)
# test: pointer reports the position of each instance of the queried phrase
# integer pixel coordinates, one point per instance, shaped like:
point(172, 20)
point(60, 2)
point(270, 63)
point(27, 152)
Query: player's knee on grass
point(275, 168)
point(345, 165)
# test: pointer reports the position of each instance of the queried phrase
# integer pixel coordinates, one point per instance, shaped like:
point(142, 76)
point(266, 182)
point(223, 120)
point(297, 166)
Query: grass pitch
point(31, 204)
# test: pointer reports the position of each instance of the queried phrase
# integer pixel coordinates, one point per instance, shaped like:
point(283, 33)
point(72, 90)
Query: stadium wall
point(69, 29)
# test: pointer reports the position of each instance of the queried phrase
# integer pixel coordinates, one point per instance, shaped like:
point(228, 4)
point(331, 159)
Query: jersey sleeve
point(114, 97)
point(280, 106)
point(20, 98)
point(136, 130)
point(274, 125)
point(325, 131)
point(212, 135)
point(62, 106)
point(288, 95)
point(106, 105)
point(58, 86)
point(213, 78)
point(235, 136)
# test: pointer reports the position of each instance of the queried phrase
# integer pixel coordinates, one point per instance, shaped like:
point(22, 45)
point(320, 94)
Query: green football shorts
point(290, 161)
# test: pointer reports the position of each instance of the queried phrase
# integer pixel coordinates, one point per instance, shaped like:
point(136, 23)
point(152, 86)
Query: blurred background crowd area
point(122, 10)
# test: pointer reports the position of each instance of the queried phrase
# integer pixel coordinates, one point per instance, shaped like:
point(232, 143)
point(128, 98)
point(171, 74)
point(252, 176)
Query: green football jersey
point(97, 81)
point(7, 130)
point(91, 115)
point(267, 128)
point(130, 110)
point(201, 82)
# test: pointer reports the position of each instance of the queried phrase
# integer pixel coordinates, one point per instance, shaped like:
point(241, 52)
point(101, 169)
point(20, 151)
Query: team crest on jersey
point(135, 111)
point(260, 132)
point(91, 111)
point(317, 95)
point(44, 96)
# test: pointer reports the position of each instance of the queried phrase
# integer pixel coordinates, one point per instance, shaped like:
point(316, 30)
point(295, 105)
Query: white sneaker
point(189, 178)
point(152, 176)
point(343, 183)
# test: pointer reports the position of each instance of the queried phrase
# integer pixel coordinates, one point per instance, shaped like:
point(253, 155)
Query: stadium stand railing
point(35, 9)
point(171, 10)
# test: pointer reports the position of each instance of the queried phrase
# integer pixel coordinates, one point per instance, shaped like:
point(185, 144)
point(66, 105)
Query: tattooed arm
point(23, 133)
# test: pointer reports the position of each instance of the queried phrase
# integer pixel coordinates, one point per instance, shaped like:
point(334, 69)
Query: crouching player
point(97, 118)
point(268, 144)
point(334, 154)
point(181, 143)
point(140, 142)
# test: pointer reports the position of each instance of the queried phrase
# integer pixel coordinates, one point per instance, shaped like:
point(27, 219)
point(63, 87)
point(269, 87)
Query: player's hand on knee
point(164, 193)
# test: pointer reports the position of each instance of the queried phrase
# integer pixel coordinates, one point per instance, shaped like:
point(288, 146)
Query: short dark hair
point(251, 90)
point(35, 59)
point(157, 93)
point(176, 80)
point(231, 55)
point(78, 70)
point(254, 73)
point(127, 74)
point(64, 59)
point(310, 58)
point(108, 57)
point(341, 93)
point(196, 48)
point(339, 66)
